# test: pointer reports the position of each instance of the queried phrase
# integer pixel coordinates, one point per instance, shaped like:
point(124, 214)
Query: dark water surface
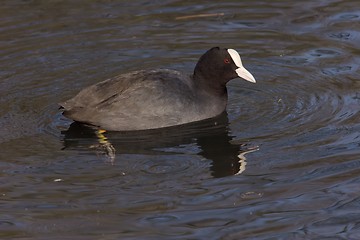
point(284, 163)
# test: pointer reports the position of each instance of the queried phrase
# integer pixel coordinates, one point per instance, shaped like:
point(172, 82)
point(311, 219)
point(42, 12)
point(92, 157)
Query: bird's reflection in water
point(211, 136)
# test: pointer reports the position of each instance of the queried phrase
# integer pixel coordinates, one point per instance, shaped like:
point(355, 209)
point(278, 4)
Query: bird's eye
point(226, 61)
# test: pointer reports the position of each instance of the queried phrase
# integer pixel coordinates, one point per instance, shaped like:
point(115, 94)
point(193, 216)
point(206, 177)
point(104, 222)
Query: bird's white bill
point(245, 74)
point(241, 71)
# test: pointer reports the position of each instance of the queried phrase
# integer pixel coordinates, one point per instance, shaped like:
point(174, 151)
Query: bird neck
point(206, 81)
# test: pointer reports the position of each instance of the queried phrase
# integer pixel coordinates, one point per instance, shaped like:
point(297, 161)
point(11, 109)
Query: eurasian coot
point(148, 99)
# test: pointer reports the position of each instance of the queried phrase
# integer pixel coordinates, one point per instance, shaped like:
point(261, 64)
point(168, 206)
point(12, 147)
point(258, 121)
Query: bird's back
point(137, 100)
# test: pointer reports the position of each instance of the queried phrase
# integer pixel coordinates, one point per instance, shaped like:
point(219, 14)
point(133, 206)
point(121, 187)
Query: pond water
point(283, 163)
